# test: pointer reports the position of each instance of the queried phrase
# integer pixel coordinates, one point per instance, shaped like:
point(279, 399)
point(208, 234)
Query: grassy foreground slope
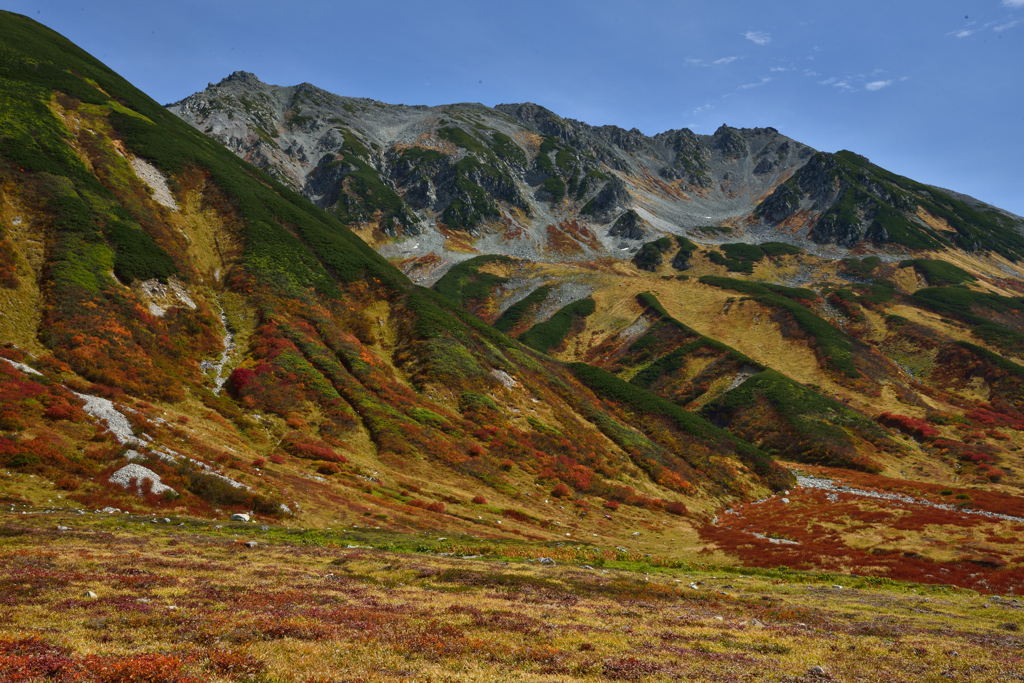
point(129, 600)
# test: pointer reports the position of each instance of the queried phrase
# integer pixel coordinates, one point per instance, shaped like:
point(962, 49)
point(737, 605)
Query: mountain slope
point(170, 269)
point(519, 180)
point(189, 335)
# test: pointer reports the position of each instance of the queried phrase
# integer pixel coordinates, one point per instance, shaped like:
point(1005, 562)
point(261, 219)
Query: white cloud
point(762, 38)
point(763, 80)
point(828, 81)
point(780, 69)
point(877, 85)
point(1007, 25)
point(1013, 3)
point(725, 60)
point(965, 32)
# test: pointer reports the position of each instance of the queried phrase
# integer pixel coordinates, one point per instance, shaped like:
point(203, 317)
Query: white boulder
point(137, 473)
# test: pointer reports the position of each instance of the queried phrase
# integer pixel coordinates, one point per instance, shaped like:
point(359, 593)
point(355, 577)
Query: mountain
point(519, 180)
point(173, 308)
point(525, 219)
point(596, 362)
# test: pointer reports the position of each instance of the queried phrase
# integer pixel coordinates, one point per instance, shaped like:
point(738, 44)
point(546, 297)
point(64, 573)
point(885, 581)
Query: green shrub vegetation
point(555, 187)
point(421, 155)
point(740, 257)
point(464, 281)
point(968, 305)
point(985, 230)
point(993, 358)
point(592, 176)
point(649, 256)
point(685, 245)
point(674, 359)
point(367, 191)
point(137, 256)
point(478, 204)
point(773, 249)
point(470, 401)
point(820, 424)
point(608, 385)
point(511, 317)
point(714, 229)
point(861, 267)
point(507, 149)
point(939, 273)
point(551, 333)
point(463, 139)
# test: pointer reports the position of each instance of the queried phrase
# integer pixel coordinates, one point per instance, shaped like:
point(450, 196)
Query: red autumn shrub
point(1007, 417)
point(233, 663)
point(302, 446)
point(479, 500)
point(327, 468)
point(65, 411)
point(239, 380)
point(612, 505)
point(515, 514)
point(918, 429)
point(476, 450)
point(561, 491)
point(277, 459)
point(676, 508)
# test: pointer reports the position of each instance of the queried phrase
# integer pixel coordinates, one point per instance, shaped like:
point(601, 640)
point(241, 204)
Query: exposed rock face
point(681, 261)
point(609, 202)
point(502, 175)
point(629, 226)
point(417, 171)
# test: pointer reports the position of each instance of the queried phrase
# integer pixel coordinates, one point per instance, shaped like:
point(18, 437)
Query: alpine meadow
point(296, 386)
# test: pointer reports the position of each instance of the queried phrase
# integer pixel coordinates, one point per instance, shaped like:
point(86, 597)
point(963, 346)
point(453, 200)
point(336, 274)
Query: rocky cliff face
point(498, 177)
point(466, 178)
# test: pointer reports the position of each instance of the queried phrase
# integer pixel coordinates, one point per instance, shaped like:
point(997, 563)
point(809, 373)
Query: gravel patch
point(24, 368)
point(828, 485)
point(149, 174)
point(117, 423)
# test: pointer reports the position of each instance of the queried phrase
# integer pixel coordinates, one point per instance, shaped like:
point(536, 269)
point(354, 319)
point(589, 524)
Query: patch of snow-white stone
point(832, 488)
point(24, 368)
point(117, 423)
point(149, 174)
point(137, 473)
point(505, 378)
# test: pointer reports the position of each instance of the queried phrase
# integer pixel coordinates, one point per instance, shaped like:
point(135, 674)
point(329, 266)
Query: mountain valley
point(385, 338)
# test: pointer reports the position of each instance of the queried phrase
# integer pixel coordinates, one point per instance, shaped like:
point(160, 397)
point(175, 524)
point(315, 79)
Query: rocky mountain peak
point(244, 77)
point(406, 171)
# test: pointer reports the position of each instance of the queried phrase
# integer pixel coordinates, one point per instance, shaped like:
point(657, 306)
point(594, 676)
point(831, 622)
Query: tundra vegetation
point(394, 446)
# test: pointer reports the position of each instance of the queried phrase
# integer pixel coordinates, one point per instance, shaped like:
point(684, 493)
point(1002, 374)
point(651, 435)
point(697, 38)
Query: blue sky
point(930, 89)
